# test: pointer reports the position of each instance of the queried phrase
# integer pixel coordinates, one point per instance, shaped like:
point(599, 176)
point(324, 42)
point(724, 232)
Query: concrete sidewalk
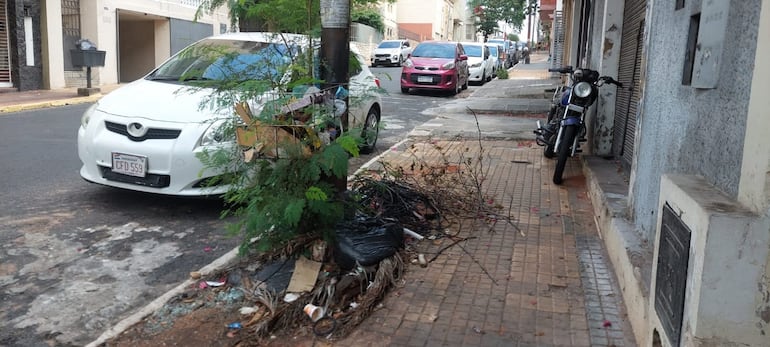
point(547, 283)
point(12, 101)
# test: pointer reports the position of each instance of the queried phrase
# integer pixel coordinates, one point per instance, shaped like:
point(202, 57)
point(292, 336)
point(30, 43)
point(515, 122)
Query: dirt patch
point(202, 327)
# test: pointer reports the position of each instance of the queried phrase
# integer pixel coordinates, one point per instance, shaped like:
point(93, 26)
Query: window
point(70, 22)
point(679, 4)
point(692, 42)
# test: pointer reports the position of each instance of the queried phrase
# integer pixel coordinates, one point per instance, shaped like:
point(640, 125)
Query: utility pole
point(335, 57)
point(529, 23)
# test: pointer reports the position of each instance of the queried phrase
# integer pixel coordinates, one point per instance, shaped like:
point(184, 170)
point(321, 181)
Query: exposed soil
point(203, 327)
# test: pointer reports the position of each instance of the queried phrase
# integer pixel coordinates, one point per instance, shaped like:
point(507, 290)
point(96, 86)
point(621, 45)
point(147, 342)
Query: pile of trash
point(327, 287)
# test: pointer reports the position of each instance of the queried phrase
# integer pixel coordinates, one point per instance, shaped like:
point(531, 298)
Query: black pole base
point(88, 91)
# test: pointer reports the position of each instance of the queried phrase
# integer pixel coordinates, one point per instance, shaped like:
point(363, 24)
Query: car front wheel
point(371, 131)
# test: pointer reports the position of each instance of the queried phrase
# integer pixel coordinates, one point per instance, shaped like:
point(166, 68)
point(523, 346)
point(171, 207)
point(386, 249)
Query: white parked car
point(479, 66)
point(145, 136)
point(494, 57)
point(391, 52)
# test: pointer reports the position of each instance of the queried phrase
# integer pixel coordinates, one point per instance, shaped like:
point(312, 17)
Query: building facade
point(690, 237)
point(430, 19)
point(389, 11)
point(135, 35)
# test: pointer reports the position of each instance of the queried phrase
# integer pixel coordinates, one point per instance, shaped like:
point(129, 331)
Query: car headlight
point(582, 89)
point(87, 115)
point(214, 135)
point(395, 56)
point(448, 66)
point(408, 63)
point(476, 65)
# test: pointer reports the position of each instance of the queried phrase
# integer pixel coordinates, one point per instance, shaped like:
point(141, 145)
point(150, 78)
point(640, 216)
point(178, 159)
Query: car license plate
point(425, 79)
point(127, 164)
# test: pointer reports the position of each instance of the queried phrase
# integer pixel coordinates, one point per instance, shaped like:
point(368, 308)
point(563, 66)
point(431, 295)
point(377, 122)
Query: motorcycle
point(565, 129)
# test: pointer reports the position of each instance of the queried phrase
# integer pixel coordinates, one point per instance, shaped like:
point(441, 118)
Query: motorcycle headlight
point(87, 115)
point(582, 89)
point(448, 66)
point(214, 135)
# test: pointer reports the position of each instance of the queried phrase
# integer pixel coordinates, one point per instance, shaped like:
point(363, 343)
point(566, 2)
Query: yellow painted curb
point(50, 103)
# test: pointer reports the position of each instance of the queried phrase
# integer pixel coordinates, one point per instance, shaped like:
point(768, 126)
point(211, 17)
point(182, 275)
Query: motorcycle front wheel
point(565, 147)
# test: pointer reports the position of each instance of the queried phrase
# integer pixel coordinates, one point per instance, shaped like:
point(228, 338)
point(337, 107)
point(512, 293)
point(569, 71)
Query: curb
point(47, 104)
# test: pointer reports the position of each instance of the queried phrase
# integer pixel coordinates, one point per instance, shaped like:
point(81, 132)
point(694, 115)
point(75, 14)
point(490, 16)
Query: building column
point(98, 23)
point(754, 186)
point(52, 45)
point(607, 64)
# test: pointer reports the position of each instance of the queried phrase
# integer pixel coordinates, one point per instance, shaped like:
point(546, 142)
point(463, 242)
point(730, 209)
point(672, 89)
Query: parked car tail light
point(448, 66)
point(377, 82)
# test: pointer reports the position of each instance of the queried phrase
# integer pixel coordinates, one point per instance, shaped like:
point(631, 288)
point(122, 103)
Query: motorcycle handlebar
point(566, 69)
point(611, 80)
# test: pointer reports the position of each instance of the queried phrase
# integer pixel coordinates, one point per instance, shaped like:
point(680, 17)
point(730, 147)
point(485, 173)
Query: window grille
point(70, 20)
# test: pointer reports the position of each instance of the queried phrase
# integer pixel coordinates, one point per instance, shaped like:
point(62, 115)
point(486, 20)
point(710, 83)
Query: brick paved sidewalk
point(548, 285)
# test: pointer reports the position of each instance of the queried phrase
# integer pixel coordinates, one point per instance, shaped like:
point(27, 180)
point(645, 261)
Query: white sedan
point(479, 66)
point(146, 136)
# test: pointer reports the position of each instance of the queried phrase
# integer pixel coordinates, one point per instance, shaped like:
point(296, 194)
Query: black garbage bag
point(366, 241)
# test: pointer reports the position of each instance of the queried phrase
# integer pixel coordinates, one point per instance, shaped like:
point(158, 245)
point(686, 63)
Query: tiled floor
point(547, 284)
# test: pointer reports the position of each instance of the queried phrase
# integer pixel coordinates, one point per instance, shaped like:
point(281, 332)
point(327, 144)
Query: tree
point(490, 12)
point(290, 16)
point(513, 37)
point(367, 15)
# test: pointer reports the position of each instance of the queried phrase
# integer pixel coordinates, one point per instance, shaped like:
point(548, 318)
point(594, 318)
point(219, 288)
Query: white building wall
point(439, 13)
point(99, 24)
point(389, 11)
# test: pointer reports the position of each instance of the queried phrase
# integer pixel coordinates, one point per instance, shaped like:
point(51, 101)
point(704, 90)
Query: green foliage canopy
point(291, 16)
point(490, 12)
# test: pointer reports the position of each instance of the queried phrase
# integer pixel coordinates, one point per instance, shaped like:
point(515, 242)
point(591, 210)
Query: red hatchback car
point(437, 65)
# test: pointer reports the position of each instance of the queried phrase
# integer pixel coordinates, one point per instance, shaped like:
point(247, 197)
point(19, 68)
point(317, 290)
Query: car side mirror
point(463, 57)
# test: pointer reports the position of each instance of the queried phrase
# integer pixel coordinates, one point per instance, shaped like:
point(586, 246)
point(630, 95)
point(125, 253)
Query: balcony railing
point(190, 3)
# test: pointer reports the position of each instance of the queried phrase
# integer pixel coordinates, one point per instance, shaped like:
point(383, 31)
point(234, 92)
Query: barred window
point(70, 20)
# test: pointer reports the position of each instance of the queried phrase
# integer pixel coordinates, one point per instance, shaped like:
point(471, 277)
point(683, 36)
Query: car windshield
point(435, 50)
point(472, 50)
point(215, 59)
point(389, 44)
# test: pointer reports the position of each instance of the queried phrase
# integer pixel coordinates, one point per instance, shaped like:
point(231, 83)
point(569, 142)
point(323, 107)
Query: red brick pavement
point(537, 292)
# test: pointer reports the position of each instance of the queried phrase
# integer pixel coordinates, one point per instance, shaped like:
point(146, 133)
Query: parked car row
point(451, 66)
point(510, 51)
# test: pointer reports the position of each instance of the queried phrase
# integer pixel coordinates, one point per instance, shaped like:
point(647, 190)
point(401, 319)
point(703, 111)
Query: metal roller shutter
point(629, 74)
point(557, 51)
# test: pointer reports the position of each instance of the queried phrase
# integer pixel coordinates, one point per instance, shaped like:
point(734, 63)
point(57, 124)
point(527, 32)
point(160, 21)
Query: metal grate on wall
point(671, 273)
point(557, 50)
